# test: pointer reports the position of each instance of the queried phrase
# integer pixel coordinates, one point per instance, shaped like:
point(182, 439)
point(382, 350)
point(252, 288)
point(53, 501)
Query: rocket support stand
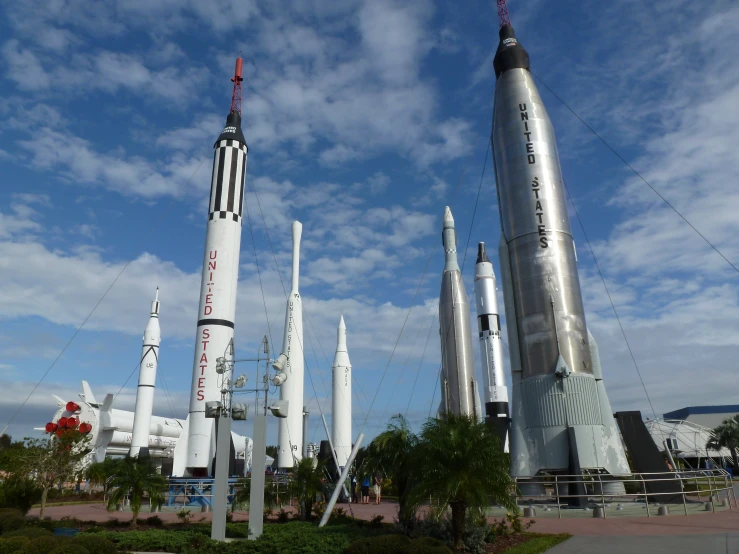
point(220, 487)
point(333, 454)
point(258, 463)
point(342, 479)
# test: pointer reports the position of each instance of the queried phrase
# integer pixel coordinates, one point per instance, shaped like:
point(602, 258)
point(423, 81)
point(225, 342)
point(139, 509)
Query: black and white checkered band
point(227, 183)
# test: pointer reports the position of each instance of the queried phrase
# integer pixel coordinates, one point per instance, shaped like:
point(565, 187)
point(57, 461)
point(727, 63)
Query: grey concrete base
point(724, 543)
point(529, 512)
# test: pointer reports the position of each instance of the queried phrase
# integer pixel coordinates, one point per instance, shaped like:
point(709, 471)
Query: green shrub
point(41, 545)
point(237, 530)
point(10, 520)
point(154, 521)
point(476, 532)
point(384, 544)
point(68, 547)
point(95, 544)
point(29, 532)
point(427, 545)
point(20, 493)
point(12, 545)
point(46, 523)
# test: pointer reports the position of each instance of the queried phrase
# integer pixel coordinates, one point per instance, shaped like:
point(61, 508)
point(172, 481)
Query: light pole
point(225, 411)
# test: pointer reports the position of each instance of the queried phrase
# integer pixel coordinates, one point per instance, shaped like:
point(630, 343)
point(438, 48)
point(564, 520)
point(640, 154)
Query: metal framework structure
point(236, 79)
point(503, 17)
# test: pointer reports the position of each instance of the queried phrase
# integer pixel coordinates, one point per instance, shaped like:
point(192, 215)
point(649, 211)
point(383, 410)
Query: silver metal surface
point(536, 227)
point(457, 361)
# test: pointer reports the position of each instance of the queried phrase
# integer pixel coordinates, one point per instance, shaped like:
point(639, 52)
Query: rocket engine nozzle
point(72, 407)
point(51, 427)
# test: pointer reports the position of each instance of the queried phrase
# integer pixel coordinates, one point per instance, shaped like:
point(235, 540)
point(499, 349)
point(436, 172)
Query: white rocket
point(341, 394)
point(459, 394)
point(147, 382)
point(491, 354)
point(110, 430)
point(291, 362)
point(215, 327)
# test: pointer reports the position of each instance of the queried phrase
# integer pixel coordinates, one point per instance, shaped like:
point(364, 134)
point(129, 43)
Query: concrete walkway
point(723, 543)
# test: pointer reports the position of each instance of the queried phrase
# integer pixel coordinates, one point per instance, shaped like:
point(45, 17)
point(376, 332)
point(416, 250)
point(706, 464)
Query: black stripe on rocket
point(227, 185)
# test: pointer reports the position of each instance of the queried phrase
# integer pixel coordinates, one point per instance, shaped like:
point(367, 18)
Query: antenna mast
point(236, 79)
point(503, 17)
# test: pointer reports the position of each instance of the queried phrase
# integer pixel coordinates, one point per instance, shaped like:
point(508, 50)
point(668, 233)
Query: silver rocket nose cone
point(481, 254)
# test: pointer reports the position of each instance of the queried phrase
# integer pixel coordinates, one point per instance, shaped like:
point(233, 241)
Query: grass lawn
point(537, 544)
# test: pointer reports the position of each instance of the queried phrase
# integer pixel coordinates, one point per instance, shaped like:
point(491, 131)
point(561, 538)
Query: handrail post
point(646, 497)
point(602, 497)
point(556, 493)
point(682, 488)
point(710, 492)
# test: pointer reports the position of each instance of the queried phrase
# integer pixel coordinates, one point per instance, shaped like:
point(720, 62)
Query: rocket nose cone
point(448, 219)
point(342, 325)
point(510, 54)
point(481, 254)
point(232, 130)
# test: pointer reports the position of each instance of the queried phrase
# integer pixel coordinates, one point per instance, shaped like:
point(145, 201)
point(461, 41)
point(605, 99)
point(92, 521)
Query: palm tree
point(99, 472)
point(459, 463)
point(307, 482)
point(391, 453)
point(136, 478)
point(726, 435)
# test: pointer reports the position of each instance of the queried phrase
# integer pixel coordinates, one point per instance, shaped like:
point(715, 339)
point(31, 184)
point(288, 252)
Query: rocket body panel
point(218, 288)
point(536, 227)
point(341, 408)
point(147, 381)
point(290, 429)
point(457, 360)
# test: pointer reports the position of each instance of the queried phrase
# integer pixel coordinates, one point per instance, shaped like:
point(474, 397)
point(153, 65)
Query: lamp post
point(225, 411)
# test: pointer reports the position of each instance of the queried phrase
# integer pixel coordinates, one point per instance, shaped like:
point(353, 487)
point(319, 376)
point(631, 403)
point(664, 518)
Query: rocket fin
point(59, 401)
point(87, 393)
point(107, 403)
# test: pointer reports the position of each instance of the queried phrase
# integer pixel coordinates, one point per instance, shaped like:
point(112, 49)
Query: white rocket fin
point(59, 401)
point(87, 393)
point(107, 403)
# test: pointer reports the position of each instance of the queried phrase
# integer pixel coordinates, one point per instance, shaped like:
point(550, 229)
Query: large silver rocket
point(459, 394)
point(558, 423)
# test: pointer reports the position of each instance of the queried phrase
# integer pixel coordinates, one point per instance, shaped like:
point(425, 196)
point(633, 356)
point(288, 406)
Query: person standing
point(365, 489)
point(378, 488)
point(354, 488)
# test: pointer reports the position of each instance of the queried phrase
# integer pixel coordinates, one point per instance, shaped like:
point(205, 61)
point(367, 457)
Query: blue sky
point(364, 119)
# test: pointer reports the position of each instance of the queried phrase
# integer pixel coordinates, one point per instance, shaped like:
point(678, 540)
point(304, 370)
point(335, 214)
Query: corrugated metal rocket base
point(549, 411)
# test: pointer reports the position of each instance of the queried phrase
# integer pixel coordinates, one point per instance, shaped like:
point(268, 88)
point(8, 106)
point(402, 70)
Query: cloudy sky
point(364, 118)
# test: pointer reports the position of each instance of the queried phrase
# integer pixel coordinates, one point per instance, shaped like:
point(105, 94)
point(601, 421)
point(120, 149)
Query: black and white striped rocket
point(215, 327)
point(495, 392)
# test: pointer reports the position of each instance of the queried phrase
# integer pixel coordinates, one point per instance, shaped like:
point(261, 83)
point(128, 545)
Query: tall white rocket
point(491, 352)
point(290, 430)
point(217, 311)
point(341, 394)
point(147, 382)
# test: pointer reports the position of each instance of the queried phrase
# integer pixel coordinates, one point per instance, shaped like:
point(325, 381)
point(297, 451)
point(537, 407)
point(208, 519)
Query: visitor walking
point(365, 489)
point(378, 488)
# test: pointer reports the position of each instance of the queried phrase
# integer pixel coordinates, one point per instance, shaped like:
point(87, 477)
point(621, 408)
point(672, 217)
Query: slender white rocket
point(290, 429)
point(341, 395)
point(459, 393)
point(147, 382)
point(495, 391)
point(215, 327)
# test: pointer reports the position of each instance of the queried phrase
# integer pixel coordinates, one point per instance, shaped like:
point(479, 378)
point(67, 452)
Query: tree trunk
point(459, 511)
point(43, 501)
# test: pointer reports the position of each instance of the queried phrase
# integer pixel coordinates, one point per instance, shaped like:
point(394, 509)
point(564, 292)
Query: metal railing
point(713, 482)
